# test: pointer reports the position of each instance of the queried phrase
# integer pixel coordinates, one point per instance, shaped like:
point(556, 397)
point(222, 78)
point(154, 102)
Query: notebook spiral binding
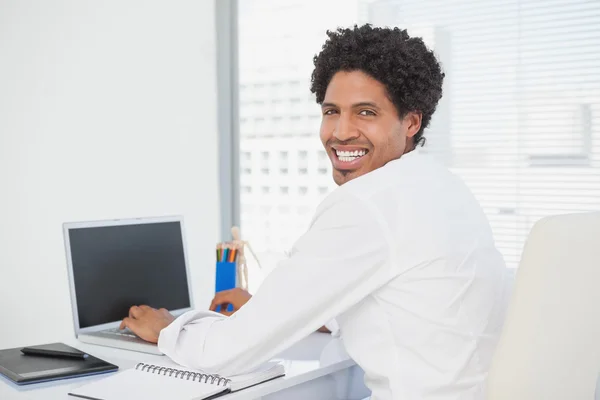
point(187, 375)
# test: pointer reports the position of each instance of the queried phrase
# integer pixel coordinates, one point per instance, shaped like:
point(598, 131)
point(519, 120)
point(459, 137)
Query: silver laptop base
point(134, 344)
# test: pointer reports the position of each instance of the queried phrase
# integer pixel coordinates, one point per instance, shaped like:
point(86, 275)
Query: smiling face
point(361, 129)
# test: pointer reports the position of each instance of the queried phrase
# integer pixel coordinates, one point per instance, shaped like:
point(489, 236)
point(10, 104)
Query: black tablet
point(25, 369)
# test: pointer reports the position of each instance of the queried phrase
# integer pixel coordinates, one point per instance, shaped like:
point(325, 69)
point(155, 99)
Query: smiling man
point(401, 255)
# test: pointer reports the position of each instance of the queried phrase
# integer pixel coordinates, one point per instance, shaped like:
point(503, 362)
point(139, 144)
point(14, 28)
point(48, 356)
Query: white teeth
point(350, 155)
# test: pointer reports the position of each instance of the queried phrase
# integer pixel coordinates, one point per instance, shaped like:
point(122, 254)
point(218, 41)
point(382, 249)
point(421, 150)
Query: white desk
point(316, 368)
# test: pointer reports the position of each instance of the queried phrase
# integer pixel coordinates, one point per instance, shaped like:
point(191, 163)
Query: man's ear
point(413, 123)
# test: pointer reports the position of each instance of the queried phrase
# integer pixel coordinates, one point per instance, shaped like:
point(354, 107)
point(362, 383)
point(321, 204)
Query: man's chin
point(342, 176)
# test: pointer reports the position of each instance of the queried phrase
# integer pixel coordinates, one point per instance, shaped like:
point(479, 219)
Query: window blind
point(519, 120)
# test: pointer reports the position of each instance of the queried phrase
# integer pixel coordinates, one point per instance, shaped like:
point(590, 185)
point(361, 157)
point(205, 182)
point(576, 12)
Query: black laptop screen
point(115, 267)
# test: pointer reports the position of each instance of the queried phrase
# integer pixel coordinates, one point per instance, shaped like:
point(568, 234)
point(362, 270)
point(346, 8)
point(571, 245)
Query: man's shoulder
point(404, 176)
point(414, 182)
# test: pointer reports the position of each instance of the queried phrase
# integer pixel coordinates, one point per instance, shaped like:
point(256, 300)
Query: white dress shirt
point(404, 260)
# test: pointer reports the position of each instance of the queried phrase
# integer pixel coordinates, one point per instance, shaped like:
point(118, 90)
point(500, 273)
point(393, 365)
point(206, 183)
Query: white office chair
point(550, 345)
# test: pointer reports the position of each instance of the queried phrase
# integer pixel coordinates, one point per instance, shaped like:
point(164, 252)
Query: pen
point(28, 351)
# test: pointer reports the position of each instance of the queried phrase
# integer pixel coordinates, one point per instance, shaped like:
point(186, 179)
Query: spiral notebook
point(170, 381)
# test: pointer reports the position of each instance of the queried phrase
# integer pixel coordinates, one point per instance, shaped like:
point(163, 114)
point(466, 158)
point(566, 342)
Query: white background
point(107, 110)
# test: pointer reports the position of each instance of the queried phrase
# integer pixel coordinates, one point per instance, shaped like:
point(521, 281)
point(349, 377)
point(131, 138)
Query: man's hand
point(236, 297)
point(147, 322)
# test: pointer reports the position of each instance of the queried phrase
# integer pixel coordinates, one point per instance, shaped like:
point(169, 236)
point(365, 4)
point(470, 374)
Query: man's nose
point(345, 129)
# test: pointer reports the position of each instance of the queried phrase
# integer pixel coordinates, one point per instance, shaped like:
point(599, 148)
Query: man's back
point(401, 253)
point(430, 331)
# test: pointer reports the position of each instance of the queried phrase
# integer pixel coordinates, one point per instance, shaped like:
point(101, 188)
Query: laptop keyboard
point(123, 333)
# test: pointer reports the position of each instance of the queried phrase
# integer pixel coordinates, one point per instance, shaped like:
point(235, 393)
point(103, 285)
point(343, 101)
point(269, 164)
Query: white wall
point(107, 110)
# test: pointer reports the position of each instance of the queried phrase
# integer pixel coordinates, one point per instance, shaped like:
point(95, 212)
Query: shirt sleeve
point(343, 257)
point(333, 327)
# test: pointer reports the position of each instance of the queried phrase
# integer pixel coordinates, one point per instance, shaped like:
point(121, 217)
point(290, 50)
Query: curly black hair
point(404, 65)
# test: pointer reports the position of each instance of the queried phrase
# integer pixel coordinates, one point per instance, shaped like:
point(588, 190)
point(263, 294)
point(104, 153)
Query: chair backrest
point(550, 345)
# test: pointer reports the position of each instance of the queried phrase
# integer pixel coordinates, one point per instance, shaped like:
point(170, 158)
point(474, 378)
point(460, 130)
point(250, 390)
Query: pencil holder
point(225, 278)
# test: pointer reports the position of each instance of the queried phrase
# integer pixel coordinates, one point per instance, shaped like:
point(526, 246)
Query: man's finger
point(130, 323)
point(223, 309)
point(224, 294)
point(214, 304)
point(222, 303)
point(134, 312)
point(145, 307)
point(220, 299)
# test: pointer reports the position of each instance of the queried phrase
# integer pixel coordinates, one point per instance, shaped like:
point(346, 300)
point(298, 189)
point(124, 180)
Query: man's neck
point(410, 146)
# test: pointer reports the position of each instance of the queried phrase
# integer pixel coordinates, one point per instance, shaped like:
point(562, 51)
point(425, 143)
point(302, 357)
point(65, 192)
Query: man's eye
point(329, 112)
point(366, 113)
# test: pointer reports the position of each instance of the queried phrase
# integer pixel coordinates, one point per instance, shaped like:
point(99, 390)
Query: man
point(400, 255)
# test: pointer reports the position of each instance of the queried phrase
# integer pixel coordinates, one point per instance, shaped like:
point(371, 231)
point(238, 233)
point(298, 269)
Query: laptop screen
point(116, 267)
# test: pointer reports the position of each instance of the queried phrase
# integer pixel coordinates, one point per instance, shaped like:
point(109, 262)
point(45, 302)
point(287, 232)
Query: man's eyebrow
point(355, 105)
point(328, 105)
point(365, 104)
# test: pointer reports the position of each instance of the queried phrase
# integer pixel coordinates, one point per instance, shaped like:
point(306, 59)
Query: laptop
point(116, 264)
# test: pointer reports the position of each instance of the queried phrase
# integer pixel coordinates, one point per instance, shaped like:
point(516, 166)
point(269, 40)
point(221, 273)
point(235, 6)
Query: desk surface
point(314, 357)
